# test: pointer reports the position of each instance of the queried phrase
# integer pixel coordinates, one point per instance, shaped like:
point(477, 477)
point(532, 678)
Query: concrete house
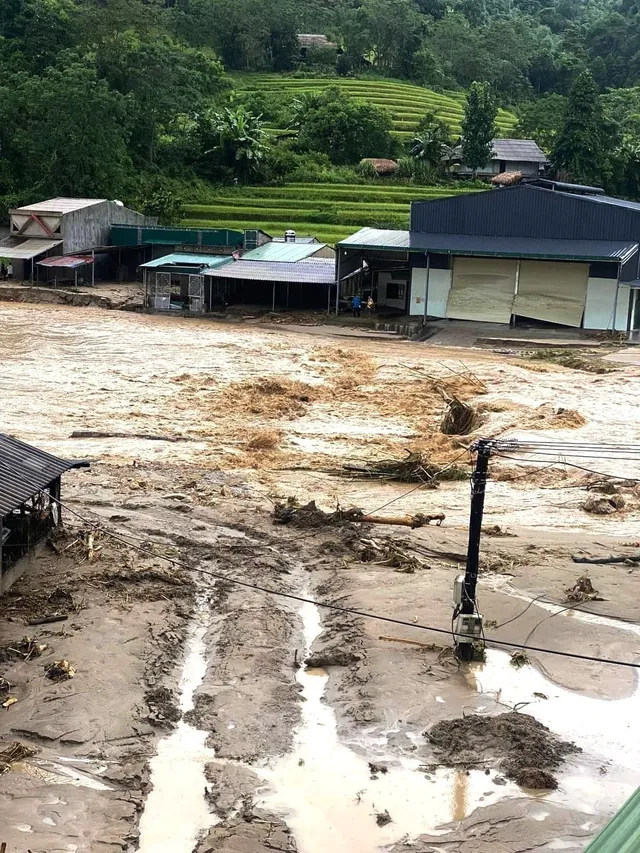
point(509, 155)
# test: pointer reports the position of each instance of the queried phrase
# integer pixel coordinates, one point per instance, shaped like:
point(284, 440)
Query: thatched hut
point(383, 167)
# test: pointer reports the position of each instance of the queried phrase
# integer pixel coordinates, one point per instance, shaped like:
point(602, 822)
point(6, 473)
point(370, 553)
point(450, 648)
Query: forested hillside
point(148, 100)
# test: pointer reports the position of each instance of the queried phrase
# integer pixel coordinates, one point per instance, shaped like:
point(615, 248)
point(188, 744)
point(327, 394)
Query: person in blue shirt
point(356, 305)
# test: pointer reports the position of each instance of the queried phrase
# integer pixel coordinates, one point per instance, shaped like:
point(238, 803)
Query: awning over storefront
point(24, 250)
point(479, 245)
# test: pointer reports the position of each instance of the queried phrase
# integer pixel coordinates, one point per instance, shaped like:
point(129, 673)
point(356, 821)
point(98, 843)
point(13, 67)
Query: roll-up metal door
point(552, 291)
point(482, 289)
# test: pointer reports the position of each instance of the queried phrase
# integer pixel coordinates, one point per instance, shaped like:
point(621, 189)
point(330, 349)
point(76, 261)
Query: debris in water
point(383, 818)
point(603, 506)
point(519, 659)
point(309, 515)
point(265, 439)
point(15, 752)
point(389, 553)
point(60, 670)
point(585, 361)
point(528, 750)
point(163, 709)
point(496, 530)
point(414, 468)
point(459, 419)
point(582, 590)
point(332, 657)
point(27, 648)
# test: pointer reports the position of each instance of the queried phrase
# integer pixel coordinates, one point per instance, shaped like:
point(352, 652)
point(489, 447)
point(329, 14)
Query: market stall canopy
point(70, 262)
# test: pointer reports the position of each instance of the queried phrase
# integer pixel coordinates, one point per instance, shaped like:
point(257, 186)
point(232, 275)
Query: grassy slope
point(405, 102)
point(328, 211)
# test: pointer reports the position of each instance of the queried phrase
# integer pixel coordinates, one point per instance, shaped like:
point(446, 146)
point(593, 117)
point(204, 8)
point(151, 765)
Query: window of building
point(395, 290)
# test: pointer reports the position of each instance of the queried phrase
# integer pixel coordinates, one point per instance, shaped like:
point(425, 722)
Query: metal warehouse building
point(541, 250)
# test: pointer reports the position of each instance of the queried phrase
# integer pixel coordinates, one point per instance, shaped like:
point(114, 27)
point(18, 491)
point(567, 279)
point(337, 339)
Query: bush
point(366, 169)
point(346, 129)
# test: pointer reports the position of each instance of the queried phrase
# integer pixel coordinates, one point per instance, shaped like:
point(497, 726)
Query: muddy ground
point(191, 718)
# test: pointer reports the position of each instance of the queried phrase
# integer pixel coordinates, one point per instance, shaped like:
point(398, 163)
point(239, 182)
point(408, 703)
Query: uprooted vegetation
point(585, 360)
point(414, 468)
point(527, 751)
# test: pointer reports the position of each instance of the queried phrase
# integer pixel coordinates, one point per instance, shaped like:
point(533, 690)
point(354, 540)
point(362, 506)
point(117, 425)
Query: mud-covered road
point(192, 723)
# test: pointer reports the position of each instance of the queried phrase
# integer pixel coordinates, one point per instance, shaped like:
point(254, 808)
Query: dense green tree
point(65, 133)
point(164, 78)
point(345, 129)
point(541, 120)
point(241, 141)
point(157, 197)
point(478, 126)
point(431, 142)
point(580, 148)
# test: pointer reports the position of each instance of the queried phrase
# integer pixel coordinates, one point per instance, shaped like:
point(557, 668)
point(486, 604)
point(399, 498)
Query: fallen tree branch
point(90, 433)
point(613, 558)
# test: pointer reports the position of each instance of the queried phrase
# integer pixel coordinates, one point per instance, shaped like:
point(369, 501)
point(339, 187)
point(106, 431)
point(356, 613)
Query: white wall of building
point(439, 287)
point(600, 304)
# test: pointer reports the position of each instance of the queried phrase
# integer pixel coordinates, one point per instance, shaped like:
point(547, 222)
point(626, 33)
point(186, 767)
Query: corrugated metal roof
point(23, 250)
point(286, 253)
point(71, 262)
point(181, 259)
point(523, 247)
point(321, 271)
point(606, 199)
point(622, 833)
point(376, 238)
point(60, 205)
point(25, 470)
point(520, 150)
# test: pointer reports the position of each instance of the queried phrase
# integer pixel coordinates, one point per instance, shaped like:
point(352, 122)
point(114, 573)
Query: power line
point(348, 610)
point(336, 607)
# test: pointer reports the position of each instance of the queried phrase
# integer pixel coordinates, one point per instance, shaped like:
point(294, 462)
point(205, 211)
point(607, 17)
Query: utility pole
point(469, 623)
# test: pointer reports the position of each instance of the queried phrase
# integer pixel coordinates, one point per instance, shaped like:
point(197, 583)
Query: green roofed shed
point(622, 833)
point(288, 253)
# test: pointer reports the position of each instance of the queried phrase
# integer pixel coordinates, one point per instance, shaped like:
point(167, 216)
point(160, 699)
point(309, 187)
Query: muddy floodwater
point(193, 722)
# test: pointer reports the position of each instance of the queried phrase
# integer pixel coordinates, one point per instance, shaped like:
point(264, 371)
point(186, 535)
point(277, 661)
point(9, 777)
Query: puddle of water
point(503, 585)
point(176, 812)
point(326, 793)
point(603, 728)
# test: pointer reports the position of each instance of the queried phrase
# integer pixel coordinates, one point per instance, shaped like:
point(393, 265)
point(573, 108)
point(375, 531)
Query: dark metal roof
point(527, 210)
point(25, 470)
point(523, 247)
point(609, 199)
point(304, 272)
point(504, 247)
point(519, 150)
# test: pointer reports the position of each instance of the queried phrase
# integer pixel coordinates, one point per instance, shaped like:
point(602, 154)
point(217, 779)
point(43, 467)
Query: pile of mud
point(527, 751)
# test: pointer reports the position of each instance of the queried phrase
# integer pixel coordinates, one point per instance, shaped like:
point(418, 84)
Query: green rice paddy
point(329, 212)
point(405, 102)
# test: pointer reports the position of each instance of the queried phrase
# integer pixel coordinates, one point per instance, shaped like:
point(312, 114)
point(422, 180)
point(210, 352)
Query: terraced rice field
point(329, 212)
point(405, 102)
